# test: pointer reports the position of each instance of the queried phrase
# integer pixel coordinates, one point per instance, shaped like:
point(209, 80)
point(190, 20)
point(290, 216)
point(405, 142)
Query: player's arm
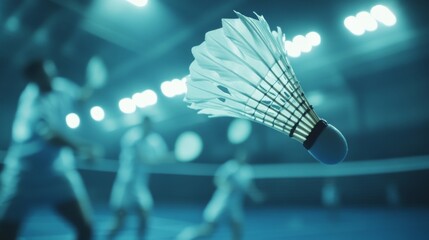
point(255, 193)
point(56, 137)
point(48, 133)
point(80, 94)
point(251, 189)
point(221, 175)
point(163, 155)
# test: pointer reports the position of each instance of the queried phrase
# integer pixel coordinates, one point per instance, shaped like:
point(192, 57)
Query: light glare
point(188, 146)
point(139, 3)
point(167, 89)
point(239, 130)
point(313, 38)
point(126, 105)
point(353, 25)
point(383, 15)
point(184, 87)
point(367, 21)
point(138, 100)
point(149, 97)
point(292, 50)
point(174, 87)
point(97, 113)
point(302, 43)
point(179, 86)
point(72, 120)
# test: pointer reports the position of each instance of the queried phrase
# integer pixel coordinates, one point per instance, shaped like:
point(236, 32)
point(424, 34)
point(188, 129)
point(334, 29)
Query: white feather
point(241, 70)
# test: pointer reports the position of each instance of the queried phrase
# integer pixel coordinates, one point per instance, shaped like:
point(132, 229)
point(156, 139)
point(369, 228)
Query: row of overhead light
point(142, 99)
point(174, 87)
point(139, 3)
point(73, 120)
point(358, 25)
point(128, 105)
point(368, 21)
point(302, 44)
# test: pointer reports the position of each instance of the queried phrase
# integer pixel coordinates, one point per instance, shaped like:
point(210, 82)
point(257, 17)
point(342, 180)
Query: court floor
point(261, 223)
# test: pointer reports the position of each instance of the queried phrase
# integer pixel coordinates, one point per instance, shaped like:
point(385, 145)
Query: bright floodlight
point(292, 50)
point(367, 21)
point(139, 3)
point(179, 86)
point(383, 15)
point(313, 38)
point(188, 146)
point(302, 43)
point(146, 98)
point(184, 87)
point(126, 105)
point(97, 113)
point(149, 97)
point(239, 130)
point(167, 89)
point(354, 26)
point(138, 100)
point(174, 87)
point(72, 120)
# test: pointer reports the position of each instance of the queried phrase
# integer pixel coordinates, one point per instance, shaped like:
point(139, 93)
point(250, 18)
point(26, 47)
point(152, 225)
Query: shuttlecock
point(241, 70)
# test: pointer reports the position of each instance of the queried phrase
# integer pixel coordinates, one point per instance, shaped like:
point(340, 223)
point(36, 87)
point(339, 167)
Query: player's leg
point(206, 229)
point(143, 216)
point(118, 222)
point(76, 214)
point(195, 232)
point(9, 229)
point(144, 206)
point(212, 213)
point(236, 229)
point(14, 205)
point(75, 207)
point(236, 219)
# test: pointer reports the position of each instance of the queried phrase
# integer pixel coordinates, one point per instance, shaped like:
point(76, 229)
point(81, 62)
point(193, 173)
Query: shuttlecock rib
point(241, 70)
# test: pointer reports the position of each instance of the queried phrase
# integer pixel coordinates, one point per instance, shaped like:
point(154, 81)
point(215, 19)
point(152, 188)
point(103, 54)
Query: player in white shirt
point(140, 148)
point(233, 180)
point(39, 167)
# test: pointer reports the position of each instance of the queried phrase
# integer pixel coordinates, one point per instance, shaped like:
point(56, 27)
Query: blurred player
point(233, 180)
point(331, 198)
point(39, 167)
point(140, 148)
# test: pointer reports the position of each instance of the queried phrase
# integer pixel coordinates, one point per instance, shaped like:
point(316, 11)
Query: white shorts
point(129, 195)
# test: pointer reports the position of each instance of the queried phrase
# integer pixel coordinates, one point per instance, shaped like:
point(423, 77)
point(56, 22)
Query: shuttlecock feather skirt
point(241, 70)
